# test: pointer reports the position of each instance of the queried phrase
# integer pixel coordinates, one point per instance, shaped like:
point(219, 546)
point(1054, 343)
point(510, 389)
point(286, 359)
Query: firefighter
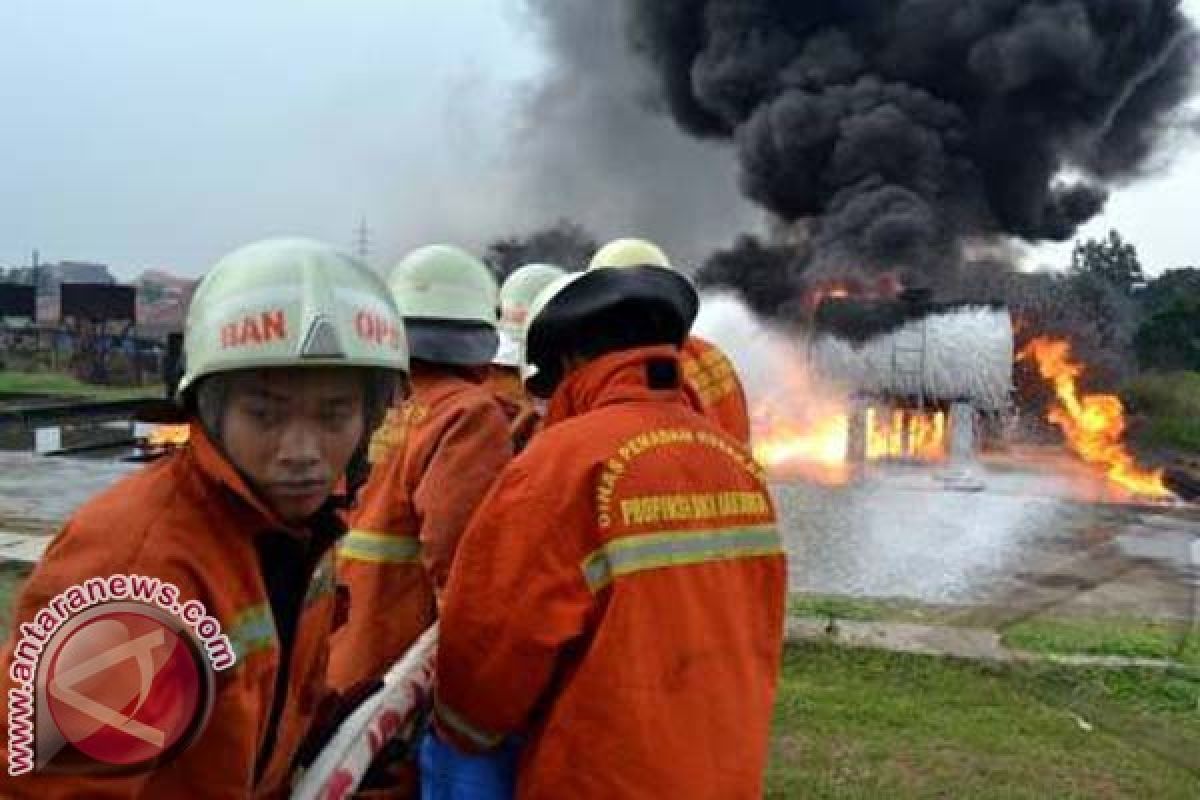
point(516, 295)
point(706, 368)
point(432, 460)
point(617, 603)
point(293, 352)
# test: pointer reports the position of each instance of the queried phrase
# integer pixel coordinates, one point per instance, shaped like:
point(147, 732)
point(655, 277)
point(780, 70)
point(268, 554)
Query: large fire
point(823, 445)
point(1093, 424)
point(907, 434)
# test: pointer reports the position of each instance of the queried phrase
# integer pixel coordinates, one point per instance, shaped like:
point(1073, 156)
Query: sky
point(148, 134)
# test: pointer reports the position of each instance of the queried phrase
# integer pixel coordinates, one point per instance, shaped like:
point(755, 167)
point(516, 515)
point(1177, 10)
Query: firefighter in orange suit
point(433, 459)
point(516, 295)
point(706, 369)
point(293, 352)
point(617, 603)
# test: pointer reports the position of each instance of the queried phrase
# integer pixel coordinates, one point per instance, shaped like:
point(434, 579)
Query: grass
point(860, 723)
point(1110, 637)
point(1171, 403)
point(1100, 636)
point(55, 383)
point(825, 606)
point(12, 576)
point(863, 609)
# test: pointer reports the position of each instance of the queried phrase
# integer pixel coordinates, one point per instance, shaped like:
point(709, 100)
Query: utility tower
point(362, 241)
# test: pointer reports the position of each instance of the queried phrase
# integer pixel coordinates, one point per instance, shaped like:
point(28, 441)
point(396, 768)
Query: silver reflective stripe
point(482, 739)
point(380, 548)
point(322, 583)
point(253, 630)
point(630, 554)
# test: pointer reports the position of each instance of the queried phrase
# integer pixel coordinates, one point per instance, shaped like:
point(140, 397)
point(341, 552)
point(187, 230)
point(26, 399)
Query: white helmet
point(448, 299)
point(516, 297)
point(629, 253)
point(290, 303)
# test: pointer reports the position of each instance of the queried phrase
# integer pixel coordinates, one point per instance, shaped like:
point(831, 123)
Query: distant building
point(78, 272)
point(51, 276)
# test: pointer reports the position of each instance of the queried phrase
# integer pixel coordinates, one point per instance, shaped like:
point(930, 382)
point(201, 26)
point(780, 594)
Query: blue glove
point(447, 774)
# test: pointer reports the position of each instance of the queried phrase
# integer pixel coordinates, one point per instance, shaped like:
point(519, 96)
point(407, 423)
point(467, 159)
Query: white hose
point(341, 766)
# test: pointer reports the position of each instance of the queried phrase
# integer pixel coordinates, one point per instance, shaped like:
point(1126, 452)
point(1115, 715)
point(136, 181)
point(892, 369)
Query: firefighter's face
point(292, 432)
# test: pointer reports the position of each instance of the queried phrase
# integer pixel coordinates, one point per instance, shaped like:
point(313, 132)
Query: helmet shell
point(516, 298)
point(630, 253)
point(291, 303)
point(441, 282)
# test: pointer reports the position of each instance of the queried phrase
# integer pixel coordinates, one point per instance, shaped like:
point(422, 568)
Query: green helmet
point(290, 303)
point(516, 297)
point(448, 300)
point(630, 253)
point(635, 306)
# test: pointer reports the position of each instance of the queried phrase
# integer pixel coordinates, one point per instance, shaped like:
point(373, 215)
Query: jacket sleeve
point(74, 556)
point(516, 598)
point(469, 454)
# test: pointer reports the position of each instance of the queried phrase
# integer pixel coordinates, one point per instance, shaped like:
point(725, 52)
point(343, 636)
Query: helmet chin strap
point(357, 472)
point(379, 396)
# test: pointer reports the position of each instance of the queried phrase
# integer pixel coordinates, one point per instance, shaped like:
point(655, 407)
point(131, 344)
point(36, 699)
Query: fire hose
point(342, 764)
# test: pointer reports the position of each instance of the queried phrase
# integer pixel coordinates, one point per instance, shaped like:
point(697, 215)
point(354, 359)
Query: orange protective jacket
point(191, 520)
point(523, 419)
point(433, 459)
point(619, 599)
point(713, 377)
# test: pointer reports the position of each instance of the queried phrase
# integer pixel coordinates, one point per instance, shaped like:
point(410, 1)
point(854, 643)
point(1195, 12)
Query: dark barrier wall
point(18, 301)
point(99, 301)
point(173, 363)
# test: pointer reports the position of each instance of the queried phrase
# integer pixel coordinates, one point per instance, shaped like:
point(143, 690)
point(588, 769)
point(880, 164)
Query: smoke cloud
point(592, 144)
point(902, 127)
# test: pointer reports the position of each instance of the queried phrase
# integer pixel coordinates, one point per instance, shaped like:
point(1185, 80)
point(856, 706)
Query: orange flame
point(167, 436)
point(1093, 424)
point(822, 443)
point(821, 448)
point(907, 434)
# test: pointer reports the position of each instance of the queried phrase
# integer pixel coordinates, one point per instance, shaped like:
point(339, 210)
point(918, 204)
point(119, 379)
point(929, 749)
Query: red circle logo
point(127, 686)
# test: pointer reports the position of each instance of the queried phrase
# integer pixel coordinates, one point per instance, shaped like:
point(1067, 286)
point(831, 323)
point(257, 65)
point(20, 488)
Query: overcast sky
point(147, 133)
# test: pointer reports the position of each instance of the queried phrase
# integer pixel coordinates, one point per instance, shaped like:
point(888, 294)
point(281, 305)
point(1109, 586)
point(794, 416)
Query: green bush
point(1174, 394)
point(1170, 340)
point(1171, 403)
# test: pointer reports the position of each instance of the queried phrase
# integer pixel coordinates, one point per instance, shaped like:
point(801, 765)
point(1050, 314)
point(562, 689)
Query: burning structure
point(920, 376)
point(898, 376)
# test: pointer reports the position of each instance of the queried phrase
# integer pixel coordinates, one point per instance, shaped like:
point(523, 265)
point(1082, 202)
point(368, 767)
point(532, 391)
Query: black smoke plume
point(565, 244)
point(900, 128)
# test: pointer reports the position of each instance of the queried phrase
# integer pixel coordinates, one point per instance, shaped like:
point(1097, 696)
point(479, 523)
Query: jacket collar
point(619, 377)
point(430, 382)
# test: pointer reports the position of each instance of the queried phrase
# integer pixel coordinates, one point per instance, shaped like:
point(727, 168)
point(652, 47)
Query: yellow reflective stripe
point(485, 740)
point(252, 630)
point(630, 554)
point(322, 583)
point(380, 548)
